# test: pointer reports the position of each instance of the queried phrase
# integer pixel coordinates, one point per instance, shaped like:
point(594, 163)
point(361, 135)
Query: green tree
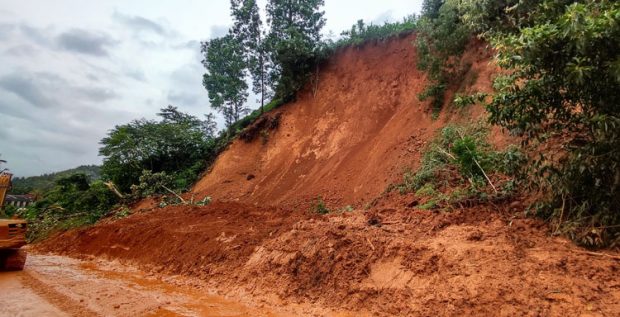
point(293, 43)
point(440, 42)
point(248, 29)
point(225, 77)
point(430, 8)
point(177, 145)
point(562, 86)
point(208, 126)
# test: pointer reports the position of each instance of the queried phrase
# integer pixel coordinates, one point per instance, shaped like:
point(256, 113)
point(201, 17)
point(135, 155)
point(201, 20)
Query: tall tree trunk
point(262, 84)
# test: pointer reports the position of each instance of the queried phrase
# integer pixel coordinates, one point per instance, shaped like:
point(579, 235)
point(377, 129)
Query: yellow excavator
point(12, 233)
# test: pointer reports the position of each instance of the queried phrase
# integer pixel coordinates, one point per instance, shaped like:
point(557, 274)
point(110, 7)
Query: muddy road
point(61, 286)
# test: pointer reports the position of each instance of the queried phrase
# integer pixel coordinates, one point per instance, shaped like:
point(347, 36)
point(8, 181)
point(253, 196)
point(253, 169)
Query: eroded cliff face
point(347, 138)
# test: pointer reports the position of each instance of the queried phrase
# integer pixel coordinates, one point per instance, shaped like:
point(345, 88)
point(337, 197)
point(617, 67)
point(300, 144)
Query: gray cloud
point(22, 50)
point(96, 94)
point(139, 23)
point(183, 98)
point(189, 45)
point(25, 87)
point(136, 74)
point(6, 30)
point(13, 110)
point(85, 42)
point(219, 30)
point(35, 34)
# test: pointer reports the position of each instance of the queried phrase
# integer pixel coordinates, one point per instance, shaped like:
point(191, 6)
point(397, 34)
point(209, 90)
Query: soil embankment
point(346, 141)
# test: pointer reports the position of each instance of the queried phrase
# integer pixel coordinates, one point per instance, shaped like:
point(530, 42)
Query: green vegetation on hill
point(73, 201)
point(361, 32)
point(559, 90)
point(45, 182)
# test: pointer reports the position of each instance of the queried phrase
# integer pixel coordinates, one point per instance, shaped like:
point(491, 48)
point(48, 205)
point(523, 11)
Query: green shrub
point(562, 87)
point(460, 165)
point(74, 201)
point(440, 43)
point(152, 184)
point(361, 33)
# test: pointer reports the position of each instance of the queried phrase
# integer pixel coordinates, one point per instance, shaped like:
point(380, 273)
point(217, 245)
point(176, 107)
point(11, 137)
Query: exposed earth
point(262, 250)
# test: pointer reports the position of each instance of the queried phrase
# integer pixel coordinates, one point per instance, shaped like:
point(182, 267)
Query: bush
point(361, 33)
point(441, 40)
point(74, 201)
point(460, 165)
point(561, 93)
point(151, 184)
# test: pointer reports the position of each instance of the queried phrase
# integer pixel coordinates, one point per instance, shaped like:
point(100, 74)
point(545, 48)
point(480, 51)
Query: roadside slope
point(347, 139)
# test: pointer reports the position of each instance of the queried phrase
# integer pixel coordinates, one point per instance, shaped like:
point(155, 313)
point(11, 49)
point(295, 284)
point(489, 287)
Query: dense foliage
point(559, 91)
point(73, 201)
point(563, 88)
point(293, 43)
point(279, 58)
point(179, 144)
point(361, 32)
point(45, 182)
point(225, 77)
point(248, 29)
point(440, 42)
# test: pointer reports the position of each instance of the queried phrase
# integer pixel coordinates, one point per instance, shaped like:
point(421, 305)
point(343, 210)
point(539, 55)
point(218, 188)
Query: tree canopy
point(178, 144)
point(225, 77)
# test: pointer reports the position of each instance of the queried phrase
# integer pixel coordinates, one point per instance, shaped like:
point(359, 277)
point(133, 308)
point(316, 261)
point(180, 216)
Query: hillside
point(24, 185)
point(259, 240)
point(350, 140)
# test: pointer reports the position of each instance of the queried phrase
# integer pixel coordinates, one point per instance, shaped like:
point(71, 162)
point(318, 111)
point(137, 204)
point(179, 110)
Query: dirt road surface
point(60, 286)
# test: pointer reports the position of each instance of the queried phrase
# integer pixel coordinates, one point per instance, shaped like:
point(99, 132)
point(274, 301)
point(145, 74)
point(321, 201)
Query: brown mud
point(60, 286)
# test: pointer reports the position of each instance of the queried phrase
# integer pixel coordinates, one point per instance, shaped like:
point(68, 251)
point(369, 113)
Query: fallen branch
point(485, 174)
point(174, 193)
point(615, 257)
point(370, 243)
point(113, 188)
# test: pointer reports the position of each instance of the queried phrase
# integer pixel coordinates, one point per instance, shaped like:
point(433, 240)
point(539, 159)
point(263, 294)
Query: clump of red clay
point(347, 143)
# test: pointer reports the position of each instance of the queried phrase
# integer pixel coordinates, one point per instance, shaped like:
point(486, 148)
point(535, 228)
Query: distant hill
point(24, 185)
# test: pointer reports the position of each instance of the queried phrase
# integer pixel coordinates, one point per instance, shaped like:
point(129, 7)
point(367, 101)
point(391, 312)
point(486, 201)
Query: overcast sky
point(73, 69)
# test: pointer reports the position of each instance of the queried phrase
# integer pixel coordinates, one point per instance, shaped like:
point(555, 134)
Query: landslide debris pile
point(347, 141)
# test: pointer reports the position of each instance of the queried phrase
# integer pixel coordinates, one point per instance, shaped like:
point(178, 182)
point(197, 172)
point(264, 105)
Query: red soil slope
point(348, 141)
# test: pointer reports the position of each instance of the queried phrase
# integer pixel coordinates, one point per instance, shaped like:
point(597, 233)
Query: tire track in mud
point(65, 303)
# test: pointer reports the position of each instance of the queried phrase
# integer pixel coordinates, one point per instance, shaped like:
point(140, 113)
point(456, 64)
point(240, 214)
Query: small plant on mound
point(461, 168)
point(319, 206)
